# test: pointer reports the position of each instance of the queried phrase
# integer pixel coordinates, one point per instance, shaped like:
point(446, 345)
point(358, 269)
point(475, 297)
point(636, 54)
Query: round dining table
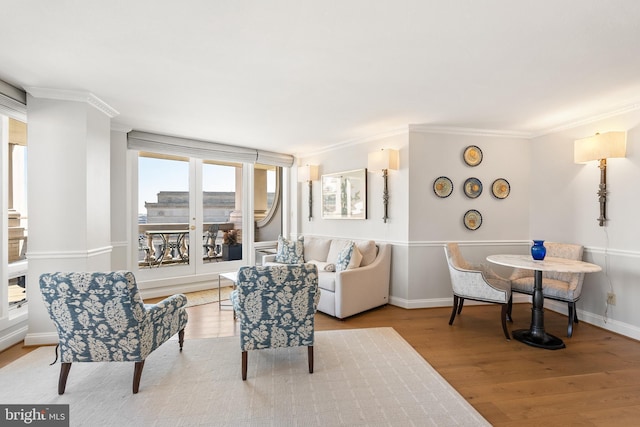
point(536, 335)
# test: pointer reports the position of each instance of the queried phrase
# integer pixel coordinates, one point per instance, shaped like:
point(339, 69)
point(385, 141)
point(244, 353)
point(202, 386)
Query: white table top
point(233, 276)
point(561, 265)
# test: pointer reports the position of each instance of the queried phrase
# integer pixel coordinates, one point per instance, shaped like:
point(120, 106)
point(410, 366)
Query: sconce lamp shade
point(600, 146)
point(383, 159)
point(307, 173)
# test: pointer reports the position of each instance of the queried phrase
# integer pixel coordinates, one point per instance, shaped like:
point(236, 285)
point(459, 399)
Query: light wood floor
point(595, 381)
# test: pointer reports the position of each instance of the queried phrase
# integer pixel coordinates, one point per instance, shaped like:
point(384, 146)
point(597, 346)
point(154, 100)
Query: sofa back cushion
point(316, 248)
point(369, 251)
point(334, 250)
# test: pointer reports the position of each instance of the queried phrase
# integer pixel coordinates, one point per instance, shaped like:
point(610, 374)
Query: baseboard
point(442, 302)
point(13, 337)
point(43, 338)
point(600, 321)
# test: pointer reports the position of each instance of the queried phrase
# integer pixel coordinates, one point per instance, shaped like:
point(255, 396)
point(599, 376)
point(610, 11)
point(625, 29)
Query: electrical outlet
point(611, 298)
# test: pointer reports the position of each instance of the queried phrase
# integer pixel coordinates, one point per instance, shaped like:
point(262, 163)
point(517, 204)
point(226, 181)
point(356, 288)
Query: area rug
point(207, 296)
point(366, 377)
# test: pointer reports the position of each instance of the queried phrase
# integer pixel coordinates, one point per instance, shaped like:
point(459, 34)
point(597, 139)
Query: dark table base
point(547, 341)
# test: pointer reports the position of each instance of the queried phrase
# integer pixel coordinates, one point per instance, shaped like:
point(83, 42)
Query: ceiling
point(297, 76)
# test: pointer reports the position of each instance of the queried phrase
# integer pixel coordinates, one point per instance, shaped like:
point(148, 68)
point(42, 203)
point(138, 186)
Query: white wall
point(564, 207)
point(420, 222)
point(394, 231)
point(434, 220)
point(69, 197)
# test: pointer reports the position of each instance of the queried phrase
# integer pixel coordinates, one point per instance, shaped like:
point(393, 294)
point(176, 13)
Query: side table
point(233, 276)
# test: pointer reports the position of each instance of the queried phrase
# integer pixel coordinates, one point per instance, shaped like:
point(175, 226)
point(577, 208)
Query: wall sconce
point(601, 147)
point(308, 173)
point(384, 160)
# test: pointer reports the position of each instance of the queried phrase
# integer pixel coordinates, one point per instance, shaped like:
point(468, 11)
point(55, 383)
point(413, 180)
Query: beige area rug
point(207, 296)
point(364, 377)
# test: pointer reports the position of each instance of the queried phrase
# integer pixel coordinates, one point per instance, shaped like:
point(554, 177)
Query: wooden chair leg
point(571, 315)
point(310, 355)
point(454, 309)
point(244, 366)
point(181, 338)
point(65, 367)
point(575, 312)
point(509, 308)
point(137, 374)
point(505, 308)
point(460, 305)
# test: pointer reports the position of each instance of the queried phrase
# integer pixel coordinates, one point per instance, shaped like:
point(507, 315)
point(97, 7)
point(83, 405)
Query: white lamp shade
point(307, 173)
point(383, 159)
point(600, 146)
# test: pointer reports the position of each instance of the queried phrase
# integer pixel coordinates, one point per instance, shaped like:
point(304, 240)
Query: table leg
point(536, 335)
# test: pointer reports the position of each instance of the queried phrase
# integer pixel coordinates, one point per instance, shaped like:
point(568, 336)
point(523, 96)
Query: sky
point(157, 175)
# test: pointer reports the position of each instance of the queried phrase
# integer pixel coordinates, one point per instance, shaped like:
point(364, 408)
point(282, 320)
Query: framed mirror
point(344, 195)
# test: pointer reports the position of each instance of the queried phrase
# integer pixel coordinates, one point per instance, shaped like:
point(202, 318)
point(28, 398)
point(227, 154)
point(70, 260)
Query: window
point(16, 164)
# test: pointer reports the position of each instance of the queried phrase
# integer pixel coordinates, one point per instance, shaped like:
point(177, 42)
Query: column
point(69, 192)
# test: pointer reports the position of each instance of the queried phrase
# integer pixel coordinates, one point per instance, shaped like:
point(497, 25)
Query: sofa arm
point(363, 288)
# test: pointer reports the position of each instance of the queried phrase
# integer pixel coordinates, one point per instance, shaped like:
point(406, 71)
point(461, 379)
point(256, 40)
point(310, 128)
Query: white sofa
point(354, 290)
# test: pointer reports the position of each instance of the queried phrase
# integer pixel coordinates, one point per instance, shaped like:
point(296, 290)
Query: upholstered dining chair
point(564, 287)
point(478, 283)
point(100, 317)
point(276, 307)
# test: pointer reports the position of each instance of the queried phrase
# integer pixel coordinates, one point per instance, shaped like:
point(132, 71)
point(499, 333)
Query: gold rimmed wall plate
point(472, 219)
point(472, 155)
point(500, 188)
point(442, 186)
point(472, 187)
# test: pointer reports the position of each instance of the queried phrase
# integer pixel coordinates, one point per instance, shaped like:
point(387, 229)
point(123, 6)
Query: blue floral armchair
point(100, 317)
point(276, 307)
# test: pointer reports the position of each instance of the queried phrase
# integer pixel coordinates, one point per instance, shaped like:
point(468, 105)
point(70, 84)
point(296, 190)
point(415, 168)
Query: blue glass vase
point(538, 251)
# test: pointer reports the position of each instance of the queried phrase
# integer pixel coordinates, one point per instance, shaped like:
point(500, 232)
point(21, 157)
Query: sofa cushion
point(316, 248)
point(369, 251)
point(327, 280)
point(349, 257)
point(290, 251)
point(334, 250)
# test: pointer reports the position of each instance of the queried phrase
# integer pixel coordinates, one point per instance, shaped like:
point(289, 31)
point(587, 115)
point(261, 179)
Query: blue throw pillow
point(290, 251)
point(344, 257)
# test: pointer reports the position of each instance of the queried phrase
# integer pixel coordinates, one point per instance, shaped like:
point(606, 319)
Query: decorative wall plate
point(472, 187)
point(472, 155)
point(442, 186)
point(472, 219)
point(500, 188)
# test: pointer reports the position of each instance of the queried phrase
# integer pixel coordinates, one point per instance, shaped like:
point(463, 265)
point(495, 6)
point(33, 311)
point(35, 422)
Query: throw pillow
point(344, 257)
point(290, 251)
point(330, 267)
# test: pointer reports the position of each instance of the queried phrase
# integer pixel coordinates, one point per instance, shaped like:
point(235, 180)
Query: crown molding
point(119, 127)
point(587, 120)
point(403, 130)
point(73, 95)
point(469, 131)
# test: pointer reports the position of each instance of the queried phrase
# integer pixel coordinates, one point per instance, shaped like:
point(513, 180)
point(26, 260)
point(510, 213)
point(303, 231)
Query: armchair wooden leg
point(137, 374)
point(505, 308)
point(65, 367)
point(181, 338)
point(454, 309)
point(510, 307)
point(460, 305)
point(571, 316)
point(244, 366)
point(310, 355)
